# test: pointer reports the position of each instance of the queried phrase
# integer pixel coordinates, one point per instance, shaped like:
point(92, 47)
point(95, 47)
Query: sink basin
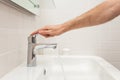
point(66, 68)
point(24, 73)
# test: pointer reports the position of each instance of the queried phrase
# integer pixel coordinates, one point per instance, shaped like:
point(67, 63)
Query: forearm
point(104, 12)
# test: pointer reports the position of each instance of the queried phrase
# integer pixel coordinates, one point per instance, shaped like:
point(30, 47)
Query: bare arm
point(102, 13)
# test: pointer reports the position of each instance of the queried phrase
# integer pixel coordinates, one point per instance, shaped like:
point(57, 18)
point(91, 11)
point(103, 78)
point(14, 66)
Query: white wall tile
point(13, 41)
point(102, 40)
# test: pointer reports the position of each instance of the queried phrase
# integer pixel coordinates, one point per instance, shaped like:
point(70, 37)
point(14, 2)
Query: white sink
point(24, 73)
point(66, 68)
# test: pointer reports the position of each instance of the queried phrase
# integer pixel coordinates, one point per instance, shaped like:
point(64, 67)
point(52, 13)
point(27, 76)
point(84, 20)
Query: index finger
point(35, 32)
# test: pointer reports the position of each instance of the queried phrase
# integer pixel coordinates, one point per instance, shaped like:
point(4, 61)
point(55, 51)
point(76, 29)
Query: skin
point(102, 13)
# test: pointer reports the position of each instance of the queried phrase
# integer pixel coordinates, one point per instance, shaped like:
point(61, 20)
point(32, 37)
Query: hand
point(50, 30)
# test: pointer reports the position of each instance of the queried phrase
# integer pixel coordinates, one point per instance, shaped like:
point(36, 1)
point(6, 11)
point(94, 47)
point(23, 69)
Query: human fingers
point(35, 32)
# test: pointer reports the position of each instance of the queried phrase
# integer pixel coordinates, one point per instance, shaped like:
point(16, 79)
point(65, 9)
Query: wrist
point(68, 25)
point(65, 27)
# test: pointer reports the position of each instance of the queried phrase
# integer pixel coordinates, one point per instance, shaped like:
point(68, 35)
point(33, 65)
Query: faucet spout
point(45, 45)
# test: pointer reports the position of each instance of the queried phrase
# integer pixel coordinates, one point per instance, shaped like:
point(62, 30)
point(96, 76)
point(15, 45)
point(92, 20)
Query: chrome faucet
point(32, 44)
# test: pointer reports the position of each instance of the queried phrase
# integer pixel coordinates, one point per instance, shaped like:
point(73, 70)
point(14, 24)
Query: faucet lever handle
point(32, 39)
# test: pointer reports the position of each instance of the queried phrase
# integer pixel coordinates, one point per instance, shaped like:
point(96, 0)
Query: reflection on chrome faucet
point(31, 57)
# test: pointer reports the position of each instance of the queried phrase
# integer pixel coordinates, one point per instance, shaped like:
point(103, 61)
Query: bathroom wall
point(16, 25)
point(102, 40)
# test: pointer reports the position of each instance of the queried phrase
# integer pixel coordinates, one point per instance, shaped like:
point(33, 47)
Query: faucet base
point(32, 63)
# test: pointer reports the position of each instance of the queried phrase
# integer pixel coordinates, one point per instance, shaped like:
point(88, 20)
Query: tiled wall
point(102, 40)
point(15, 26)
